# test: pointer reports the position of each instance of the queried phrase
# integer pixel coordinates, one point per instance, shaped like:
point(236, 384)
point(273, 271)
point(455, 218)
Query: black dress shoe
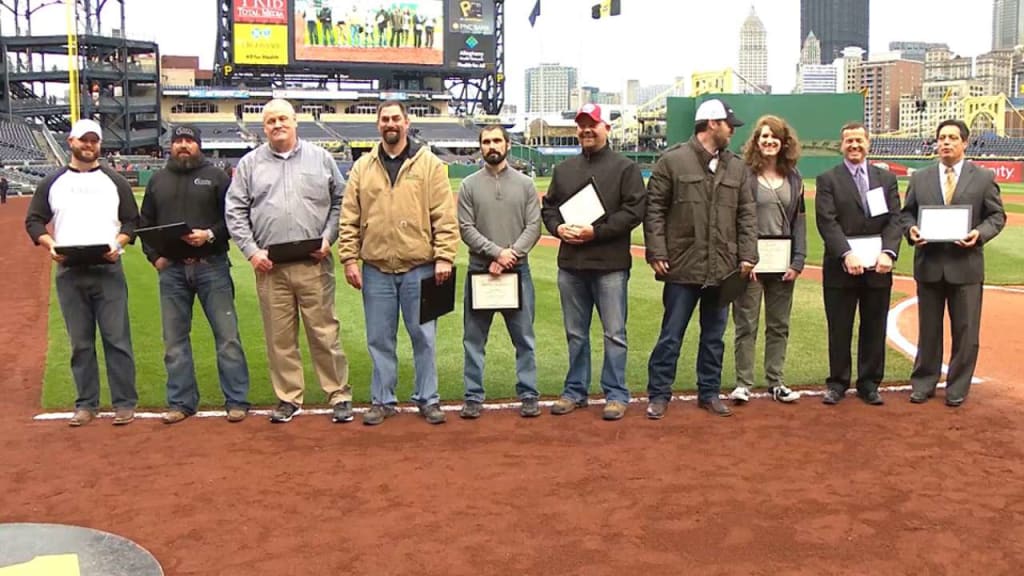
point(919, 397)
point(873, 398)
point(715, 406)
point(954, 402)
point(832, 397)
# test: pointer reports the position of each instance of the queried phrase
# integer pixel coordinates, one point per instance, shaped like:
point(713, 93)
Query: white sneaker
point(784, 394)
point(740, 395)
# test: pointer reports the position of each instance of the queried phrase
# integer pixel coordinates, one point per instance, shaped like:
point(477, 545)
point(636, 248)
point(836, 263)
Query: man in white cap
point(594, 260)
point(90, 205)
point(700, 227)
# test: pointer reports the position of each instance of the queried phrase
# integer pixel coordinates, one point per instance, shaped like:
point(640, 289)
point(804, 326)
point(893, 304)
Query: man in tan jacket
point(398, 217)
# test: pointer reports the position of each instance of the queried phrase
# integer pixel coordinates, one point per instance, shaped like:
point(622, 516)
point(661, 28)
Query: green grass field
point(807, 363)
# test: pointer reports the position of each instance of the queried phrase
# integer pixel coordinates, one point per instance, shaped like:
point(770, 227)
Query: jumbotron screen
point(456, 35)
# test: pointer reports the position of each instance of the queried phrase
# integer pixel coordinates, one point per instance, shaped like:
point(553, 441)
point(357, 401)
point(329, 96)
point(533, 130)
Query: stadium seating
point(983, 146)
point(18, 144)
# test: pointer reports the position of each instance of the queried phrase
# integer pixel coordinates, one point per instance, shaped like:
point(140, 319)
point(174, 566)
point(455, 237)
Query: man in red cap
point(608, 201)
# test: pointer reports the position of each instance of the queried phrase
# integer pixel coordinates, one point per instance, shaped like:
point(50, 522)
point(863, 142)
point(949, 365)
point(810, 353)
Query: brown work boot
point(81, 418)
point(174, 416)
point(565, 405)
point(614, 410)
point(124, 416)
point(236, 414)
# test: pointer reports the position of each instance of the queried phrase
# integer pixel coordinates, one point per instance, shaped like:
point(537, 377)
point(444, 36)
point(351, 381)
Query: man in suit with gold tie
point(950, 274)
point(857, 205)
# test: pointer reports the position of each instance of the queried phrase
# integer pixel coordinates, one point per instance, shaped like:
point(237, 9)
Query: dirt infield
point(802, 489)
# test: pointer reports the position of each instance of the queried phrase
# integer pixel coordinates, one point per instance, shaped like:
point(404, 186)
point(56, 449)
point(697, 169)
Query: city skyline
point(643, 43)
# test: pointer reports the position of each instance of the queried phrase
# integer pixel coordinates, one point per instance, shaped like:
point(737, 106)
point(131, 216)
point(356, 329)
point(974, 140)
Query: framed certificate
point(944, 223)
point(490, 292)
point(584, 207)
point(866, 248)
point(773, 254)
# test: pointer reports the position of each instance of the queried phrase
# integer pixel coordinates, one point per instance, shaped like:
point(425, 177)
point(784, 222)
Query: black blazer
point(948, 262)
point(840, 214)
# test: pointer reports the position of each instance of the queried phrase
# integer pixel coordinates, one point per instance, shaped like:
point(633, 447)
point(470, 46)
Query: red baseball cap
point(593, 111)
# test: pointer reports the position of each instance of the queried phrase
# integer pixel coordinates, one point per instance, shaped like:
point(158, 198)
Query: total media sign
point(261, 11)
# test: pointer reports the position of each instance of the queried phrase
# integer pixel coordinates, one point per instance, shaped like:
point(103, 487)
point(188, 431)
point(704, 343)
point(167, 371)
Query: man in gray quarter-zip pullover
point(499, 219)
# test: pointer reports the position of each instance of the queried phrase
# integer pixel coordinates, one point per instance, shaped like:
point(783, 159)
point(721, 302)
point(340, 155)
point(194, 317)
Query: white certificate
point(876, 202)
point(489, 292)
point(867, 249)
point(944, 223)
point(583, 208)
point(773, 255)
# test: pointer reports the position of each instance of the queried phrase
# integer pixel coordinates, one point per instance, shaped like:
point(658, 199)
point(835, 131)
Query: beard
point(494, 158)
point(85, 156)
point(184, 163)
point(391, 137)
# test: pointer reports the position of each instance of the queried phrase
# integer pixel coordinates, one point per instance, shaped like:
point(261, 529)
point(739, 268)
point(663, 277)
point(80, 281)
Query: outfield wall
point(816, 118)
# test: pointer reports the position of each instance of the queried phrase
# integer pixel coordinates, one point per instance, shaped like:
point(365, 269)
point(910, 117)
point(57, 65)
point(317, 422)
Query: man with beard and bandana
point(285, 191)
point(594, 260)
point(90, 204)
point(499, 219)
point(190, 189)
point(857, 200)
point(700, 228)
point(398, 217)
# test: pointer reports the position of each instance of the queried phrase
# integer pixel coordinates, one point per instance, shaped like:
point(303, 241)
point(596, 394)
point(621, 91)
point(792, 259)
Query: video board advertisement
point(261, 44)
point(453, 34)
point(261, 11)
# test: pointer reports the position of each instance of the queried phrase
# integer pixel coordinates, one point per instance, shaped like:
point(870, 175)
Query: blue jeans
point(679, 301)
point(92, 296)
point(210, 280)
point(383, 295)
point(477, 326)
point(580, 292)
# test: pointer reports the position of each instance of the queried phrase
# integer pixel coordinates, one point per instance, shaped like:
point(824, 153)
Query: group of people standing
point(704, 211)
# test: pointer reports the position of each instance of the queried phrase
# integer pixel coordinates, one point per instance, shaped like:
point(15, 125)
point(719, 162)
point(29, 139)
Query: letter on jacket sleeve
point(443, 223)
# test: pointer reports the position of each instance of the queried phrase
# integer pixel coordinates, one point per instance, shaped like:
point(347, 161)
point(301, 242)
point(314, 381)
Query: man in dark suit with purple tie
point(857, 205)
point(950, 274)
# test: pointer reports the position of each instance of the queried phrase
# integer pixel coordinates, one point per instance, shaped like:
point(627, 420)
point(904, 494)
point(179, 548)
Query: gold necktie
point(947, 191)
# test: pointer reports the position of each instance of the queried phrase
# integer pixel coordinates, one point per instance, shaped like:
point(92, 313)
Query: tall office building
point(884, 82)
point(549, 88)
point(753, 55)
point(1007, 24)
point(836, 23)
point(632, 92)
point(810, 52)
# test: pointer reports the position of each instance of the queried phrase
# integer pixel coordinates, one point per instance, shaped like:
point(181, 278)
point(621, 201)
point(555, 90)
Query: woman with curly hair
point(771, 155)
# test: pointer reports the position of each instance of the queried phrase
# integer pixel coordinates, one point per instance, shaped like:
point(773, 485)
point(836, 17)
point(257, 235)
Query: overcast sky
point(652, 40)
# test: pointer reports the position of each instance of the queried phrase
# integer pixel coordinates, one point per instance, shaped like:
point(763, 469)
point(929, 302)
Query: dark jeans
point(92, 296)
point(210, 280)
point(680, 300)
point(476, 327)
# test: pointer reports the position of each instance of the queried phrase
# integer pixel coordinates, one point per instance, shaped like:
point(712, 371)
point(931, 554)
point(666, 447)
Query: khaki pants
point(746, 313)
point(285, 293)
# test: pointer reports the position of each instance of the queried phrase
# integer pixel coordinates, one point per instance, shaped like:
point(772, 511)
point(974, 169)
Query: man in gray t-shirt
point(499, 219)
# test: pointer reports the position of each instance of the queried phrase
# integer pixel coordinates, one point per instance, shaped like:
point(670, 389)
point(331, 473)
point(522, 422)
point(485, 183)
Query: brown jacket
point(397, 228)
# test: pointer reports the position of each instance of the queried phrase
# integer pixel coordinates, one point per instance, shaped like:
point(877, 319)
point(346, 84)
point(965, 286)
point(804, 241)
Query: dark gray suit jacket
point(947, 262)
point(839, 211)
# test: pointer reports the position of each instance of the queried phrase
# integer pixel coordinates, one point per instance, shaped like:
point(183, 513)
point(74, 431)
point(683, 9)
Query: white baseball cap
point(85, 126)
point(716, 109)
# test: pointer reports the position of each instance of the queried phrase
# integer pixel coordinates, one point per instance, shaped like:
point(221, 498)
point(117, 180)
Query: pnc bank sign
point(261, 11)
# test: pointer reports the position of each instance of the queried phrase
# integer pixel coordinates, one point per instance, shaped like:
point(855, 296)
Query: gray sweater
point(497, 212)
